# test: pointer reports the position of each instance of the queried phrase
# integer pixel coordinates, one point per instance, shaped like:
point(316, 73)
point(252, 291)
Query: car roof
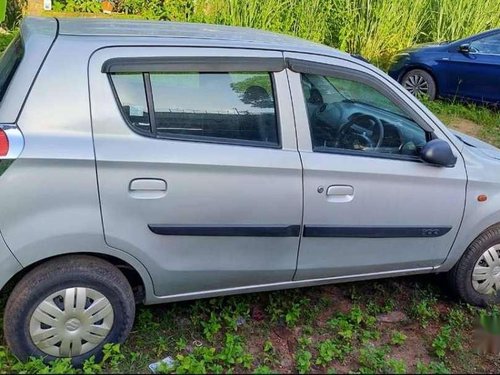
point(187, 33)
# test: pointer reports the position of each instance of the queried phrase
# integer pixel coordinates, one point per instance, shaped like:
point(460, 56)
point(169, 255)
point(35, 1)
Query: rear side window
point(132, 98)
point(236, 108)
point(9, 62)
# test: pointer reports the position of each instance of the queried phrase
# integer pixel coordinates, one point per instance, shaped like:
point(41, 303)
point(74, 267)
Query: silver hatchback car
point(148, 162)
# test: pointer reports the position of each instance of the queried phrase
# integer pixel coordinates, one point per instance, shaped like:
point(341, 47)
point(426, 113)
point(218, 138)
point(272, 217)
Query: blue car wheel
point(419, 83)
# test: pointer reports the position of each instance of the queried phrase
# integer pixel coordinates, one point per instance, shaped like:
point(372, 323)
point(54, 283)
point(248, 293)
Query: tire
point(419, 82)
point(97, 278)
point(460, 276)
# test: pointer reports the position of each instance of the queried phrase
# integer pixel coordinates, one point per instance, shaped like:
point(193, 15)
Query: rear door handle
point(147, 188)
point(340, 193)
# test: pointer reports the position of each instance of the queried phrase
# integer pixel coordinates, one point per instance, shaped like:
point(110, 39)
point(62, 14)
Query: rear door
point(198, 170)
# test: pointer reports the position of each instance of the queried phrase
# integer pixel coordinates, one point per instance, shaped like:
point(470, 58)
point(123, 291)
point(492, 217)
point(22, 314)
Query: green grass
point(486, 119)
point(337, 332)
point(5, 39)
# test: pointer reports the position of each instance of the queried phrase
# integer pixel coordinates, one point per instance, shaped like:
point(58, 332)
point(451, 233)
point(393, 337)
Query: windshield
point(341, 90)
point(9, 62)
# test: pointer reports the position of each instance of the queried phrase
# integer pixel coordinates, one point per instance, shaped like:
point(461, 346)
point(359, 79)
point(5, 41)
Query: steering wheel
point(347, 135)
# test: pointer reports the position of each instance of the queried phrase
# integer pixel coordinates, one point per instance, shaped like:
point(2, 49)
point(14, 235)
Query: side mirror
point(438, 152)
point(464, 48)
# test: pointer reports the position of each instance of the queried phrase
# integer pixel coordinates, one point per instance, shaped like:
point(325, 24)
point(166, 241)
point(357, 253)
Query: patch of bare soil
point(465, 126)
point(284, 343)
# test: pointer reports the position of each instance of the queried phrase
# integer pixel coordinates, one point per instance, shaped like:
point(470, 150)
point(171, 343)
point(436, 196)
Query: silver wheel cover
point(416, 84)
point(486, 273)
point(71, 322)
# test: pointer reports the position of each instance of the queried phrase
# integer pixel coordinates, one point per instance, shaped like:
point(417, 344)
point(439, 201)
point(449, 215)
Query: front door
point(370, 205)
point(476, 74)
point(198, 170)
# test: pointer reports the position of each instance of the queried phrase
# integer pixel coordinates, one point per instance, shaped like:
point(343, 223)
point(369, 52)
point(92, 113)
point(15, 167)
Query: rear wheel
point(420, 83)
point(476, 277)
point(69, 307)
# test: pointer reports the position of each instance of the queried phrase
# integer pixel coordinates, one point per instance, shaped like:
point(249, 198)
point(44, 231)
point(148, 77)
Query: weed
point(354, 324)
point(91, 367)
point(395, 366)
point(343, 326)
point(194, 363)
point(328, 350)
point(449, 337)
point(112, 355)
point(145, 320)
point(181, 344)
point(269, 352)
point(375, 309)
point(457, 318)
point(425, 310)
point(398, 338)
point(262, 370)
point(211, 327)
point(303, 361)
point(432, 368)
point(441, 342)
point(372, 359)
point(233, 352)
point(293, 315)
point(37, 366)
point(268, 347)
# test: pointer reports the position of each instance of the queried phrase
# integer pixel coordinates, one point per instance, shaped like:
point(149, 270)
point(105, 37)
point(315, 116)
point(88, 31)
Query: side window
point(489, 45)
point(348, 115)
point(237, 108)
point(132, 97)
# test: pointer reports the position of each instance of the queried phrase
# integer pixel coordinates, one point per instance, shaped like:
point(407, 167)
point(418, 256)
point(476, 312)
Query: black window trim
point(367, 154)
point(153, 133)
point(310, 67)
point(149, 100)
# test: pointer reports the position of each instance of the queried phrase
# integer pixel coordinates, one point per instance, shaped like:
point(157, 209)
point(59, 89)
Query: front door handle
point(147, 188)
point(340, 193)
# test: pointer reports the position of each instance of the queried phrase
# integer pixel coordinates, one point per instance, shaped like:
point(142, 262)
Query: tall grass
point(14, 13)
point(374, 28)
point(377, 29)
point(454, 19)
point(307, 19)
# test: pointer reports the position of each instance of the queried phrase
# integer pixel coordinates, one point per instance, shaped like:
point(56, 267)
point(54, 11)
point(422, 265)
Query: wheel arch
point(423, 67)
point(462, 244)
point(138, 278)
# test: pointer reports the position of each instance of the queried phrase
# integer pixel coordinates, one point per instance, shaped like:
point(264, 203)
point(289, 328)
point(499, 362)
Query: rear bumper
point(9, 265)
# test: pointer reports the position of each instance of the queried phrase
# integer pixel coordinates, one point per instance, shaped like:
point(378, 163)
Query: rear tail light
point(4, 143)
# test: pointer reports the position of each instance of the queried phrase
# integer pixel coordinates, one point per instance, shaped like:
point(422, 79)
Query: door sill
point(286, 285)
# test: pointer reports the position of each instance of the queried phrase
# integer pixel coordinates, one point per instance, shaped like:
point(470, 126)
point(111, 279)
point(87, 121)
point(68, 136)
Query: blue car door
point(476, 74)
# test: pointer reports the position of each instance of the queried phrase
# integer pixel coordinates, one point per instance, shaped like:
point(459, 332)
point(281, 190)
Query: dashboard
point(358, 126)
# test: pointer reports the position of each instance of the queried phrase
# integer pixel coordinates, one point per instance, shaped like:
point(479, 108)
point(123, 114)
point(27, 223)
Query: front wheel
point(420, 83)
point(476, 277)
point(69, 307)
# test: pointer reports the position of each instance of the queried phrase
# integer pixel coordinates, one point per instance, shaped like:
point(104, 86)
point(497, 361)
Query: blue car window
point(489, 45)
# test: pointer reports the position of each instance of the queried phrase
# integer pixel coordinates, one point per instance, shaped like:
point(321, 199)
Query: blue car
point(466, 69)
